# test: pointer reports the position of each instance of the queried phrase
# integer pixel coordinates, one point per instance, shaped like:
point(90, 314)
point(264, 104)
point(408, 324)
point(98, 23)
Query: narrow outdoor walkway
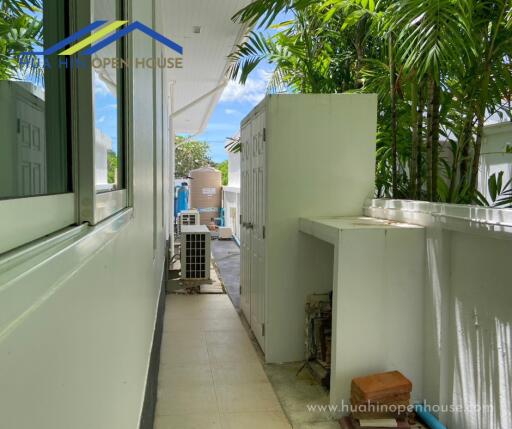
point(295, 390)
point(227, 258)
point(210, 374)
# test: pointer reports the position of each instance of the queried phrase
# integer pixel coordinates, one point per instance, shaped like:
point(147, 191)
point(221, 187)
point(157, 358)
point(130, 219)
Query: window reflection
point(34, 143)
point(107, 89)
point(106, 122)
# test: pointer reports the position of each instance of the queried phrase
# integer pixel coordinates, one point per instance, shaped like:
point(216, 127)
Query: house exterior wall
point(234, 169)
point(494, 158)
point(12, 94)
point(231, 204)
point(77, 312)
point(231, 195)
point(467, 332)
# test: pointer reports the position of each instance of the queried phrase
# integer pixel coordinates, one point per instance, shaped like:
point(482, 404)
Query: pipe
point(428, 418)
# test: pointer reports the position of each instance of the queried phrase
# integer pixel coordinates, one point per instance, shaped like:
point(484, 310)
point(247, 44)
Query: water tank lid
point(184, 184)
point(204, 169)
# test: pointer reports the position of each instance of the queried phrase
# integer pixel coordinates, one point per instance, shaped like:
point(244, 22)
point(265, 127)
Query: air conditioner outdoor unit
point(195, 252)
point(188, 217)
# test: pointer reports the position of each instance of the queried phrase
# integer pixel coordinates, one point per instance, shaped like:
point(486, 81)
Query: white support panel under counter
point(378, 292)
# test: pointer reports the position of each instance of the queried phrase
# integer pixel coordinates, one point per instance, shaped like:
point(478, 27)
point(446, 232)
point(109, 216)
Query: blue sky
point(236, 102)
point(106, 119)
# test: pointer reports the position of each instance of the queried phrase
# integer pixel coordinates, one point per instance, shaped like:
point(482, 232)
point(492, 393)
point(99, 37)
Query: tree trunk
point(476, 157)
point(434, 138)
point(479, 132)
point(483, 99)
point(415, 137)
point(459, 162)
point(430, 134)
point(464, 162)
point(394, 127)
point(421, 110)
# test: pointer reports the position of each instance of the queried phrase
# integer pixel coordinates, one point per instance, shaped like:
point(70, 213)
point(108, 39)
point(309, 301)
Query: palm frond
point(234, 145)
point(277, 82)
point(249, 55)
point(266, 11)
point(20, 7)
point(430, 33)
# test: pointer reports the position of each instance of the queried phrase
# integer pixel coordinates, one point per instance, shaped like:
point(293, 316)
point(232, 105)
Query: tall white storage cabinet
point(302, 156)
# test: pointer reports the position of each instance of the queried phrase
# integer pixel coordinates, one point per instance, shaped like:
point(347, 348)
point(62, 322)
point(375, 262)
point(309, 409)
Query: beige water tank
point(206, 193)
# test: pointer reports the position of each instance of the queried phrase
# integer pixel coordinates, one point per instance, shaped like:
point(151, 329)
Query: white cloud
point(252, 92)
point(231, 112)
point(100, 87)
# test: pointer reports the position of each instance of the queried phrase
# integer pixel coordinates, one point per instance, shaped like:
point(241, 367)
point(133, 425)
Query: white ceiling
point(205, 55)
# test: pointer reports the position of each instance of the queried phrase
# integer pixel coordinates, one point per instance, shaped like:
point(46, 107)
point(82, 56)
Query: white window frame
point(94, 207)
point(25, 219)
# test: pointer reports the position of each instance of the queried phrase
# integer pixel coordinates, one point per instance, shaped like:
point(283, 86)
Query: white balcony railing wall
point(468, 322)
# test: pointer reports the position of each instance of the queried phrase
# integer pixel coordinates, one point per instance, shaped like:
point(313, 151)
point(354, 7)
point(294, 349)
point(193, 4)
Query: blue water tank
point(182, 198)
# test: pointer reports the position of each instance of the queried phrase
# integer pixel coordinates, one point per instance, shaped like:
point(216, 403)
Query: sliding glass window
point(35, 146)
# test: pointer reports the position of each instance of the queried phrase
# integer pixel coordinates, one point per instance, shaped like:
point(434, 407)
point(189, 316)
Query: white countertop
point(328, 228)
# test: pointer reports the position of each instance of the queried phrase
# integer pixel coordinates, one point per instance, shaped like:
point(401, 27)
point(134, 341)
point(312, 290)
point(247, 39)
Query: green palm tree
point(20, 7)
point(300, 51)
point(20, 31)
point(438, 66)
point(492, 36)
point(431, 36)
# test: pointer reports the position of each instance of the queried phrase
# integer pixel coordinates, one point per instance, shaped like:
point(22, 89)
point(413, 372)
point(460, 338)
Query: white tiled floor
point(210, 374)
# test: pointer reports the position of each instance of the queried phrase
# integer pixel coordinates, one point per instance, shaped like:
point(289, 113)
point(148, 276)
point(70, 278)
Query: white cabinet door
point(257, 228)
point(253, 193)
point(31, 163)
point(245, 236)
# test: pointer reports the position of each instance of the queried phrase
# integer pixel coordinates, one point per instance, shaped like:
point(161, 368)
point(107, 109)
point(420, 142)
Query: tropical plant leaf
point(234, 145)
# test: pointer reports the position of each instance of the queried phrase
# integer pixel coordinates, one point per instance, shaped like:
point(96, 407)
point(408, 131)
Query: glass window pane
point(34, 143)
point(107, 88)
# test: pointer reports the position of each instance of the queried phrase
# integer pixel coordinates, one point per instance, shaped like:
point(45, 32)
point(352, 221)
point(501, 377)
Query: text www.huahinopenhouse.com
point(346, 408)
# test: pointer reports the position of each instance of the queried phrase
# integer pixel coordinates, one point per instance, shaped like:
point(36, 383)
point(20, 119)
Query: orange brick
point(381, 385)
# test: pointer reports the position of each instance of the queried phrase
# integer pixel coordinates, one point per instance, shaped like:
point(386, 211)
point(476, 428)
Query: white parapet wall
point(467, 331)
